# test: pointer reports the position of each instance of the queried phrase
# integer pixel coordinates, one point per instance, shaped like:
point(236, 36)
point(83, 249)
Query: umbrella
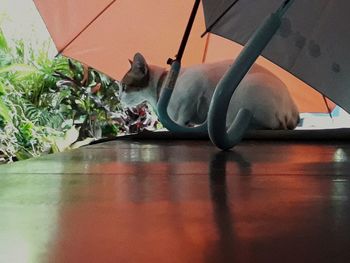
point(104, 33)
point(307, 38)
point(313, 39)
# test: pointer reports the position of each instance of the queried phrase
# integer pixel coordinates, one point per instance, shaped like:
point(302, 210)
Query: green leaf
point(79, 144)
point(69, 138)
point(4, 111)
point(3, 42)
point(23, 154)
point(2, 89)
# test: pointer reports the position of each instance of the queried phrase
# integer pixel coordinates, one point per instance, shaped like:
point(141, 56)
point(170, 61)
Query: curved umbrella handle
point(234, 134)
point(228, 84)
point(162, 105)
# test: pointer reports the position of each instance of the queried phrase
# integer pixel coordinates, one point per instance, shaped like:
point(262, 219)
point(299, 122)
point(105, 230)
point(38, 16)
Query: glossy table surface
point(179, 201)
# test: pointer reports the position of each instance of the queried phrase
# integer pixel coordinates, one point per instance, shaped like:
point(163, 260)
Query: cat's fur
point(261, 92)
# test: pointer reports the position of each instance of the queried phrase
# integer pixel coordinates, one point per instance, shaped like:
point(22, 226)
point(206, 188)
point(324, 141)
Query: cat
point(261, 92)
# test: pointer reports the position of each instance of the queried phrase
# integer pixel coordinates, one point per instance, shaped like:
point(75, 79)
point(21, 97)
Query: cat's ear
point(130, 61)
point(138, 75)
point(139, 65)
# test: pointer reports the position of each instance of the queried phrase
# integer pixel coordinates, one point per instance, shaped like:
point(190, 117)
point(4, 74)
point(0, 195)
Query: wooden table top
point(179, 201)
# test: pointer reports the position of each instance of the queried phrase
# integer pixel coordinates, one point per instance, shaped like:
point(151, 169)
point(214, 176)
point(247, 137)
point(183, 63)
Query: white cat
point(261, 92)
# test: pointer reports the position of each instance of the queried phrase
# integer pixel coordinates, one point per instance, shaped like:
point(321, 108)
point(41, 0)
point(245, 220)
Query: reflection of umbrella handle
point(162, 106)
point(222, 95)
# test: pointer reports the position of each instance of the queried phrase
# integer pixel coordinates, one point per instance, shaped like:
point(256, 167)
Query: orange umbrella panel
point(104, 34)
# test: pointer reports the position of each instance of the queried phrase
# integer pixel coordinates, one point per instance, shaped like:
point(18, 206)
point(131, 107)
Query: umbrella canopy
point(105, 33)
point(312, 43)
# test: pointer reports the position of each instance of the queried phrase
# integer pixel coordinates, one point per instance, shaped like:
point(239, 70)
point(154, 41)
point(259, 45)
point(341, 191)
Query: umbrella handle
point(222, 95)
point(162, 105)
point(231, 137)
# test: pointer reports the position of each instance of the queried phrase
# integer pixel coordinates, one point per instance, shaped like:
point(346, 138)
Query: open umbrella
point(312, 42)
point(307, 38)
point(104, 33)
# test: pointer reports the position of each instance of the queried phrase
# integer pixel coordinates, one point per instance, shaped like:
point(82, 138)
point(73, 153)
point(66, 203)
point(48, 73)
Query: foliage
point(27, 119)
point(50, 105)
point(92, 100)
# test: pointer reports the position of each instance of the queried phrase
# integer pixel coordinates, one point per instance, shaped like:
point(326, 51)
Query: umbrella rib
point(205, 53)
point(219, 18)
point(188, 30)
point(86, 27)
point(327, 106)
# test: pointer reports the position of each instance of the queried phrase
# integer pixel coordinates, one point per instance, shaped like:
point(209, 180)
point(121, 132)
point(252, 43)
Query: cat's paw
point(288, 121)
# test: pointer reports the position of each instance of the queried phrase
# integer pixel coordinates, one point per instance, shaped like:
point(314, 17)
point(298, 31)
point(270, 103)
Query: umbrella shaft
point(162, 105)
point(222, 95)
point(187, 31)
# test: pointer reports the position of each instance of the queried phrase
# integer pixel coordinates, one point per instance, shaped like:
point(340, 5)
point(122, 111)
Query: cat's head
point(134, 86)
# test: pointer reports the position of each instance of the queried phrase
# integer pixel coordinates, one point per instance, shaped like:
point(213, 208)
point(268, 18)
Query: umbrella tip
point(286, 3)
point(283, 8)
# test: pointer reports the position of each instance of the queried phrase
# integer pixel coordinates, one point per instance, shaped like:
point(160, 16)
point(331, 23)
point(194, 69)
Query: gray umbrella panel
point(312, 43)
